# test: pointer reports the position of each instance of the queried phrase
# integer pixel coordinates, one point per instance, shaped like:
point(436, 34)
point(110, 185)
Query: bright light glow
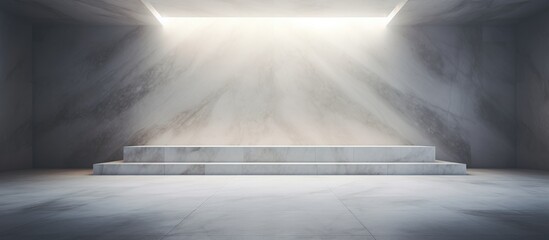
point(395, 11)
point(319, 22)
point(313, 23)
point(155, 13)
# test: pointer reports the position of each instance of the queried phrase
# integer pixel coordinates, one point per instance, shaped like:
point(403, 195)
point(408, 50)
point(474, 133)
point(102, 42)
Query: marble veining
point(72, 204)
point(279, 160)
point(265, 81)
point(279, 168)
point(278, 154)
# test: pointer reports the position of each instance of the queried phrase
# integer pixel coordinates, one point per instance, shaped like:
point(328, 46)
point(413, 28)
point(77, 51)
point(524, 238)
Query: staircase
point(279, 160)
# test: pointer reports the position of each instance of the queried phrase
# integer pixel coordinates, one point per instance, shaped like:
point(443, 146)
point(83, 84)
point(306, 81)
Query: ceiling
point(274, 8)
point(467, 11)
point(96, 12)
point(134, 12)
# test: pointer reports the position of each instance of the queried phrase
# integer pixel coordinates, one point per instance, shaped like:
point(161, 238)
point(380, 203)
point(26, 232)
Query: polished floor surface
point(72, 204)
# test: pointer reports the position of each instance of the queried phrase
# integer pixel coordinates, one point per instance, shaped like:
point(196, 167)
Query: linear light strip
point(388, 19)
point(395, 11)
point(155, 13)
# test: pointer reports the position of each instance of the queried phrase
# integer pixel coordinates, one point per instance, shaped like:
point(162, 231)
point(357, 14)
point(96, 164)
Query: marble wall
point(265, 81)
point(533, 92)
point(15, 93)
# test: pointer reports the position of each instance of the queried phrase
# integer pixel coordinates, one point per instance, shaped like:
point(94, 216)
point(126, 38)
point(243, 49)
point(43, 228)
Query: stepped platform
point(279, 160)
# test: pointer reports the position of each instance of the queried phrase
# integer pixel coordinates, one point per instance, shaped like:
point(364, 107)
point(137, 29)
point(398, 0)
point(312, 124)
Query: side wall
point(533, 92)
point(15, 93)
point(98, 89)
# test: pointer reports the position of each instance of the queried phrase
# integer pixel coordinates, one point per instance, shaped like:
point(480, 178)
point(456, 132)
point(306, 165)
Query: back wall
point(97, 89)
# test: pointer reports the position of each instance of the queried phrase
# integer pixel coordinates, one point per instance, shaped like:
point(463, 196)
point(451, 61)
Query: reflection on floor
point(72, 204)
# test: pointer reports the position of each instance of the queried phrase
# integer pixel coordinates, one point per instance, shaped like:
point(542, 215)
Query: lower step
point(296, 168)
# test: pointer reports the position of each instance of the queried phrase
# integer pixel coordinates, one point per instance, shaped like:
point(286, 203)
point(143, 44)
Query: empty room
point(274, 119)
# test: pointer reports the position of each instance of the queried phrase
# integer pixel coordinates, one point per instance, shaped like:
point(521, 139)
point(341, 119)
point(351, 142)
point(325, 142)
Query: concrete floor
point(71, 204)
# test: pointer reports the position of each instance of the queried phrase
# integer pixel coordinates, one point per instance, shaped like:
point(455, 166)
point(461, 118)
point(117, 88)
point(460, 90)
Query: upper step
point(239, 153)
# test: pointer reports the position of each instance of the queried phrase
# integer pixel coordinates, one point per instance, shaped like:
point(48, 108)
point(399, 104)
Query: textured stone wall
point(98, 89)
point(15, 93)
point(533, 92)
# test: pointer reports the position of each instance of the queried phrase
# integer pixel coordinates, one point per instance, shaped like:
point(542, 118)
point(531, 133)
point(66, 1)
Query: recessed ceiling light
point(370, 10)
